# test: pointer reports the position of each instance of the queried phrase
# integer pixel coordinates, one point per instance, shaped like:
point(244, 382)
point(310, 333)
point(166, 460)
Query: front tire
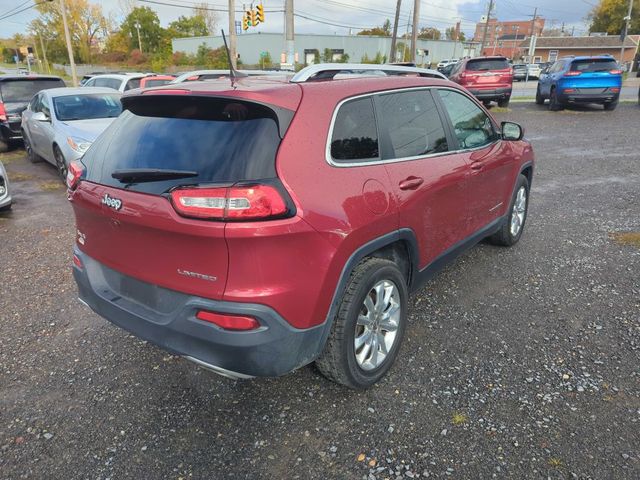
point(368, 329)
point(61, 163)
point(4, 146)
point(511, 230)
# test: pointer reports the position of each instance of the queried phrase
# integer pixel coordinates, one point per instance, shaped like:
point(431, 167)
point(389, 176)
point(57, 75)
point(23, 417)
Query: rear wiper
point(150, 174)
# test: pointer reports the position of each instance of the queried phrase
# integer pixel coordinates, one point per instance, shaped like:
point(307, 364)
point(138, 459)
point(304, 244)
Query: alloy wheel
point(61, 164)
point(377, 325)
point(519, 211)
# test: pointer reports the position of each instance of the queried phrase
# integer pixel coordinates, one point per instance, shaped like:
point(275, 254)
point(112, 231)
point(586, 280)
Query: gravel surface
point(517, 363)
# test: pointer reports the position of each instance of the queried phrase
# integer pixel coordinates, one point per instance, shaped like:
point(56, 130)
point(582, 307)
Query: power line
point(14, 8)
point(9, 15)
point(211, 9)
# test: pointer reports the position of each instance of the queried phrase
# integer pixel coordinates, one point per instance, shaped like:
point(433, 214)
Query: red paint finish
point(478, 80)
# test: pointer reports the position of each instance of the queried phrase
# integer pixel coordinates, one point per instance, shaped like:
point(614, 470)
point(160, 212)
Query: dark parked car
point(220, 243)
point(581, 80)
point(487, 78)
point(16, 92)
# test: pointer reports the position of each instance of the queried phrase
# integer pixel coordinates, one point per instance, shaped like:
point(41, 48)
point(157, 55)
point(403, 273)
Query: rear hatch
point(127, 208)
point(16, 93)
point(487, 73)
point(593, 75)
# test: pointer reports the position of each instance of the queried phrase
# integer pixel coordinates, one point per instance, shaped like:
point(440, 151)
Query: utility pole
point(533, 21)
point(232, 34)
point(289, 42)
point(137, 25)
point(67, 37)
point(406, 38)
point(44, 53)
point(623, 36)
point(486, 27)
point(414, 31)
point(392, 53)
point(532, 42)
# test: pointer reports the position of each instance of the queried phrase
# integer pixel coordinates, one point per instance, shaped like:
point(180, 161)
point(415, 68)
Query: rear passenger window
point(472, 126)
point(355, 136)
point(133, 83)
point(413, 124)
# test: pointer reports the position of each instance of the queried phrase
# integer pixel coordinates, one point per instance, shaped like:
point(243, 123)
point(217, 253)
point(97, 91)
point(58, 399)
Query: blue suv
point(580, 80)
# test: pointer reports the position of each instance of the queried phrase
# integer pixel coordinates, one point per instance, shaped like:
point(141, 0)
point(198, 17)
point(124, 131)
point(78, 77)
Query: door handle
point(411, 183)
point(476, 166)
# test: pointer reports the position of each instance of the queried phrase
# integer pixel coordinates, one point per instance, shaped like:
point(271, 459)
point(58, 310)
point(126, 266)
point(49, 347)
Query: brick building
point(548, 49)
point(498, 29)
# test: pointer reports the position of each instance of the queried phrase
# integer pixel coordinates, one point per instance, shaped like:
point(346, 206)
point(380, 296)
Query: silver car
point(60, 124)
point(5, 193)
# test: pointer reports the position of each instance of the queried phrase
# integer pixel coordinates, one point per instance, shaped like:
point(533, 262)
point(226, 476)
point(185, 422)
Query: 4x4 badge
point(112, 202)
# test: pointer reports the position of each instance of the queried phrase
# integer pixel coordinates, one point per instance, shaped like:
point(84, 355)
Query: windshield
point(21, 90)
point(594, 65)
point(488, 64)
point(87, 106)
point(156, 82)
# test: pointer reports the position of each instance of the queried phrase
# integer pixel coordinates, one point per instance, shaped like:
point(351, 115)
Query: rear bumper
point(273, 349)
point(7, 134)
point(491, 93)
point(588, 97)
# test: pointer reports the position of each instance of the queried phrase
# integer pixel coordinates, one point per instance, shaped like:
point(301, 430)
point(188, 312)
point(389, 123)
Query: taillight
point(572, 73)
point(615, 72)
point(569, 90)
point(77, 262)
point(228, 322)
point(615, 90)
point(254, 202)
point(74, 174)
point(3, 113)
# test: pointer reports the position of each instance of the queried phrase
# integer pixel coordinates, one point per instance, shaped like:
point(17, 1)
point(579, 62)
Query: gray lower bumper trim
point(219, 370)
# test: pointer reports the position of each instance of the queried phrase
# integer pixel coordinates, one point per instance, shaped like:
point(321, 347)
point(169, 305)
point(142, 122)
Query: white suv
point(117, 81)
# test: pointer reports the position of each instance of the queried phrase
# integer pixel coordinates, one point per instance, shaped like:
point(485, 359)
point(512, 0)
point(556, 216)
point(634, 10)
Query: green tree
point(608, 16)
point(450, 33)
point(383, 31)
point(210, 19)
point(429, 33)
point(208, 57)
point(379, 58)
point(194, 26)
point(152, 35)
point(404, 52)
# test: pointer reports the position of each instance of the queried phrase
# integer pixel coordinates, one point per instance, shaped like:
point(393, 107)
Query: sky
point(340, 16)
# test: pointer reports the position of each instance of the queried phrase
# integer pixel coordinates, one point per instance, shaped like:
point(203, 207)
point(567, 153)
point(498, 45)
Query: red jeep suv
point(257, 225)
point(488, 78)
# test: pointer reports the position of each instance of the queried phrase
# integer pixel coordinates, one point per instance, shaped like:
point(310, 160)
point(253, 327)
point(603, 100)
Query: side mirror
point(511, 131)
point(40, 117)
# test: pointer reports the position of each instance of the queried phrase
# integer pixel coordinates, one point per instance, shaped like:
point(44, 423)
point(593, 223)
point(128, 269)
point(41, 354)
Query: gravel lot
point(517, 363)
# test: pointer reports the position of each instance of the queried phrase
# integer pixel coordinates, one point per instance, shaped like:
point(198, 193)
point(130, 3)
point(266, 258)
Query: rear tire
point(4, 146)
point(517, 215)
point(554, 104)
point(504, 102)
point(539, 97)
point(6, 208)
point(363, 310)
point(611, 106)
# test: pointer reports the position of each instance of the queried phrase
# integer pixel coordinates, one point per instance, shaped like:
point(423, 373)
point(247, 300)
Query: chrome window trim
point(360, 163)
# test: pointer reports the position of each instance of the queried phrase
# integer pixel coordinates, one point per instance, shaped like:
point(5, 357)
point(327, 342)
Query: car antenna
point(233, 73)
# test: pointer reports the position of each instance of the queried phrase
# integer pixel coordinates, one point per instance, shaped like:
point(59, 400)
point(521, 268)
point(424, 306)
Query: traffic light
point(254, 21)
point(260, 13)
point(246, 20)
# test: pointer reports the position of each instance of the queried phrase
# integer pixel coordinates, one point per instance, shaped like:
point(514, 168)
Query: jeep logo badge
point(112, 202)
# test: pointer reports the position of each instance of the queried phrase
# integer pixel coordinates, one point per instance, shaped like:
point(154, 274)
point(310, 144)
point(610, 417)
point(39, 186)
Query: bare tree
point(210, 18)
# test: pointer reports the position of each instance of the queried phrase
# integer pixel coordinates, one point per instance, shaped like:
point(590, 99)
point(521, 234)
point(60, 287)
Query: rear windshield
point(82, 107)
point(487, 64)
point(155, 82)
point(223, 140)
point(594, 65)
point(20, 90)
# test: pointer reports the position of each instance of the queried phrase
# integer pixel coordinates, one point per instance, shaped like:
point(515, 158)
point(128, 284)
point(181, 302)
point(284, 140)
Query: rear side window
point(487, 64)
point(108, 83)
point(224, 141)
point(155, 82)
point(133, 83)
point(413, 124)
point(594, 65)
point(355, 136)
point(20, 90)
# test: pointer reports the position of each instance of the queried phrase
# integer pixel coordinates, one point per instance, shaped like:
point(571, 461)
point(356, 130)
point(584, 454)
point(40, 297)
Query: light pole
point(67, 37)
point(137, 25)
point(624, 33)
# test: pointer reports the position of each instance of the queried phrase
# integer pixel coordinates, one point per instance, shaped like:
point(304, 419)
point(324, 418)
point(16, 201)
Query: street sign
point(263, 54)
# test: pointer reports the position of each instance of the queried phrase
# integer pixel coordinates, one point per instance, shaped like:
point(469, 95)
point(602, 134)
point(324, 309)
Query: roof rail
point(326, 71)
